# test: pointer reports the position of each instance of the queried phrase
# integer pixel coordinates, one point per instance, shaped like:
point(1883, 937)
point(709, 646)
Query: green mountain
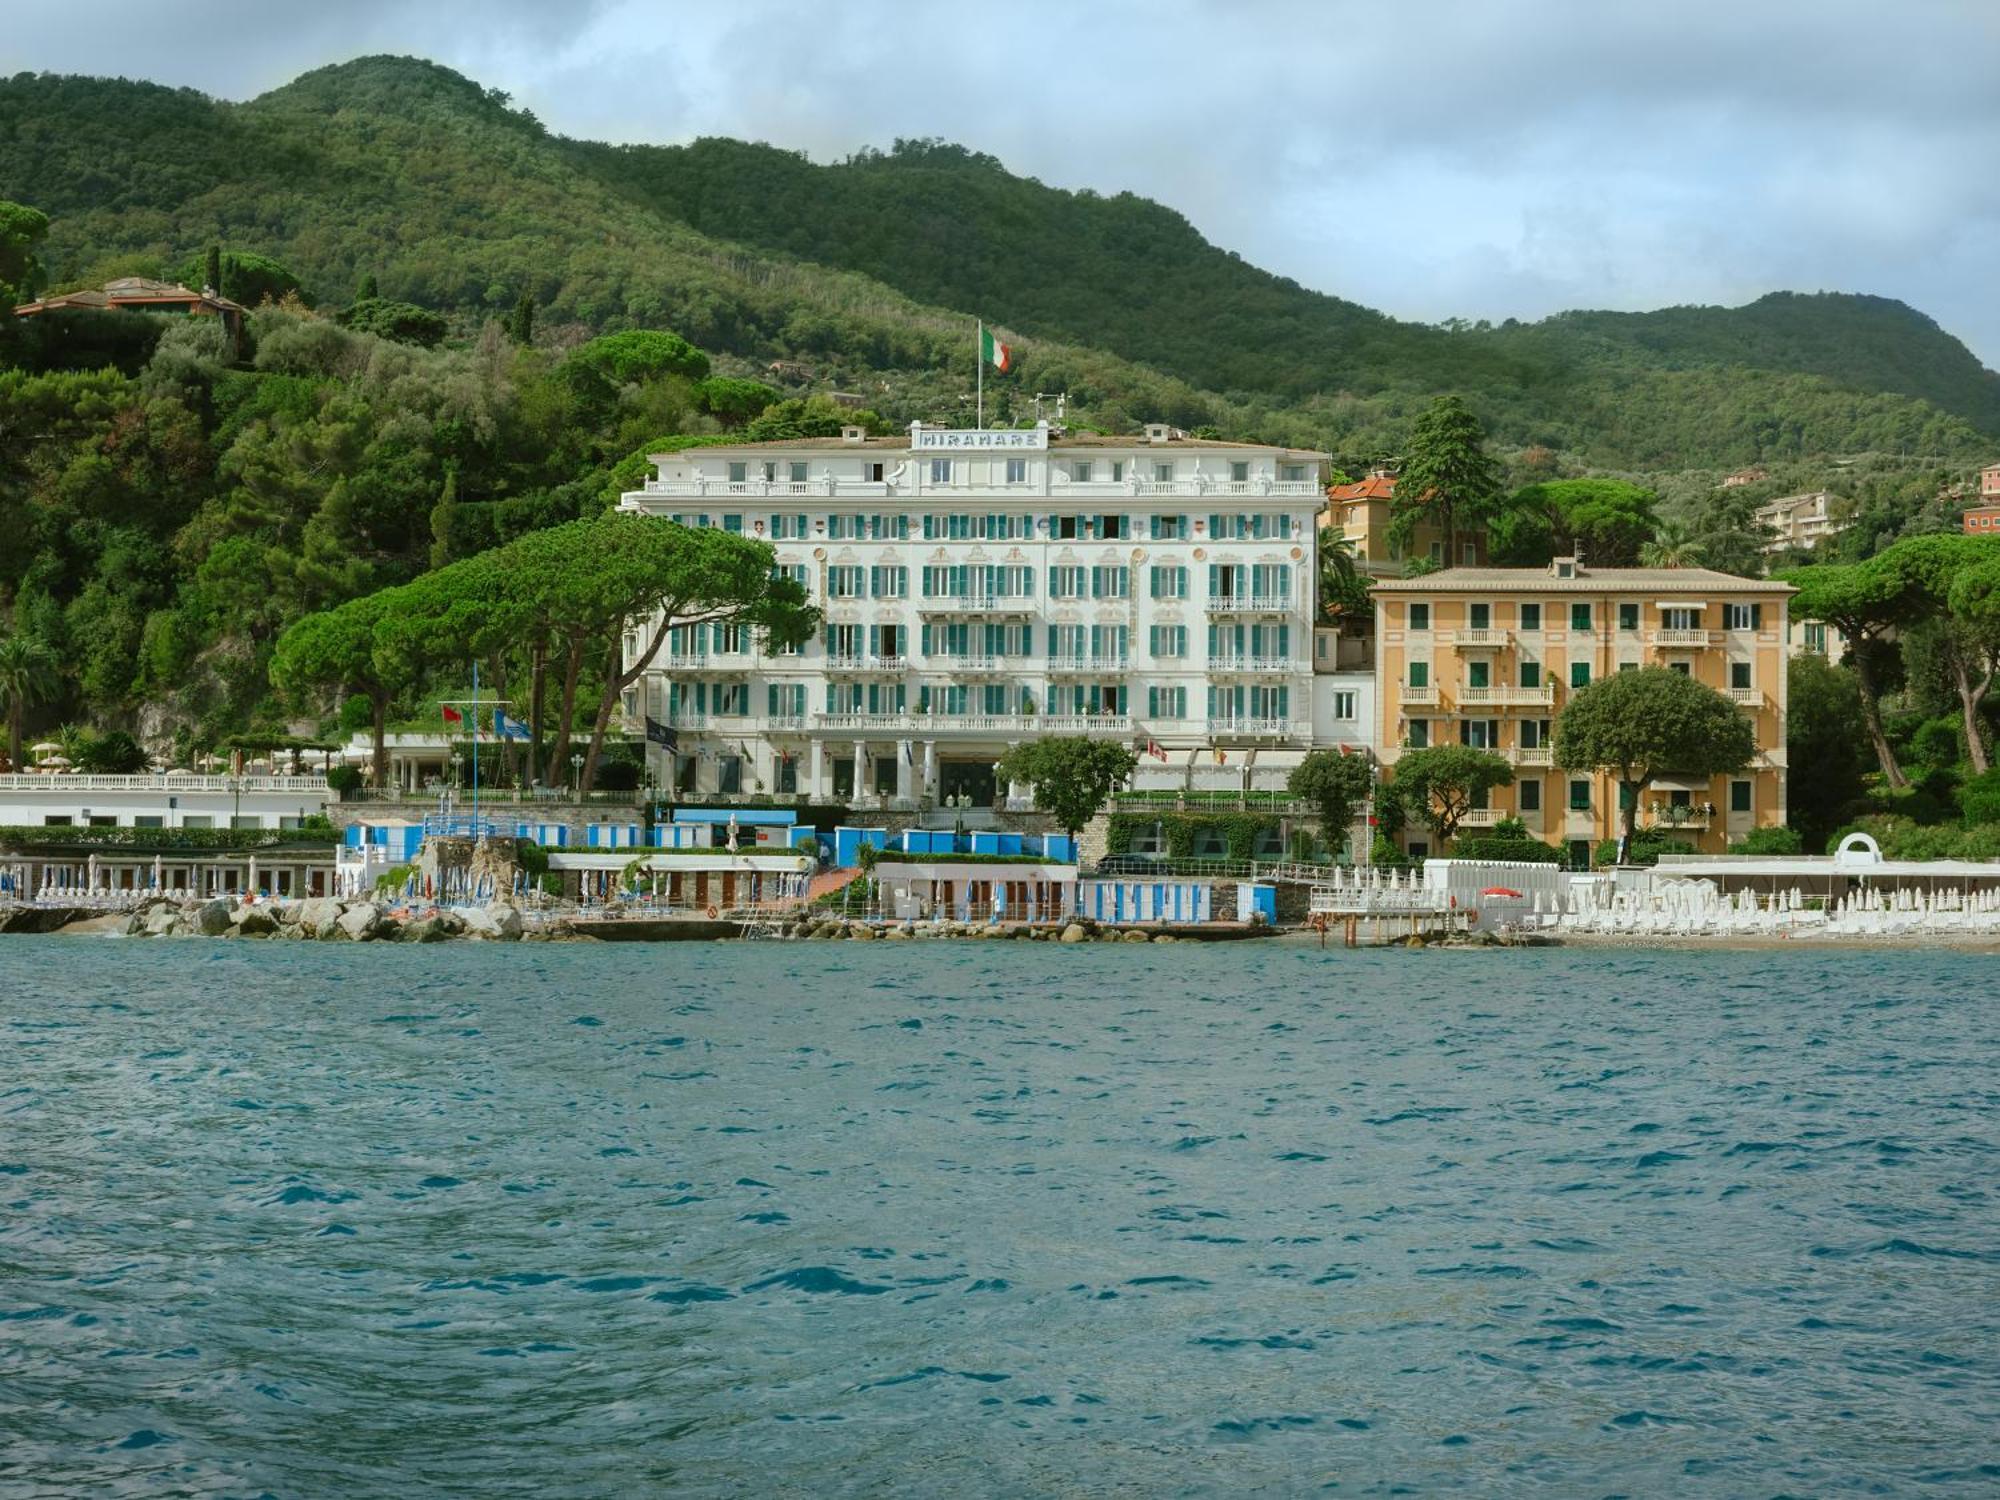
point(867, 272)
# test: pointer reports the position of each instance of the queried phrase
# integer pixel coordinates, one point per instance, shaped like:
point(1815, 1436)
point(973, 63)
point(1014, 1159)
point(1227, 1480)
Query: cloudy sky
point(1433, 158)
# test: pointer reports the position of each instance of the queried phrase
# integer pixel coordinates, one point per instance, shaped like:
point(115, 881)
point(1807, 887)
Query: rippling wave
point(994, 1219)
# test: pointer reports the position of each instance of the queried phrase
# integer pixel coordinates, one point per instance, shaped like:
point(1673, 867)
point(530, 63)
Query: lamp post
point(576, 774)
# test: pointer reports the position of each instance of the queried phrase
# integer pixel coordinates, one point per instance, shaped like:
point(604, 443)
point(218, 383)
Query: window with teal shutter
point(1579, 674)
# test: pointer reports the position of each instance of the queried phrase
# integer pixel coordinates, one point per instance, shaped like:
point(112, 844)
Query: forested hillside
point(863, 276)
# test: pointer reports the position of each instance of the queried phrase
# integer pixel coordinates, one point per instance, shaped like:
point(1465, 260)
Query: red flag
point(452, 715)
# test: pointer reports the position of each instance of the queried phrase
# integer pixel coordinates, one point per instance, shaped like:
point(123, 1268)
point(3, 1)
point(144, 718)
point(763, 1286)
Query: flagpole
point(475, 749)
point(979, 368)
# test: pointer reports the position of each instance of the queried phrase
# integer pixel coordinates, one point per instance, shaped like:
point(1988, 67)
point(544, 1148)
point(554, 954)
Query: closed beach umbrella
point(44, 747)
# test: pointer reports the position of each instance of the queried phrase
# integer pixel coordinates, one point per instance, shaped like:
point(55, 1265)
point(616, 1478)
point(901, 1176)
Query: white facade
point(982, 588)
point(160, 801)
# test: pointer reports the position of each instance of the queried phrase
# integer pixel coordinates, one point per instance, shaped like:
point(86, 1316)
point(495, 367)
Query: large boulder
point(360, 921)
point(492, 923)
point(1074, 934)
point(163, 920)
point(256, 921)
point(319, 917)
point(423, 930)
point(113, 924)
point(211, 918)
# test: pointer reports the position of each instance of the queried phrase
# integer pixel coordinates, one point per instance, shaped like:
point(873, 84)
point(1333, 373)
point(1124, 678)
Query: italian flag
point(993, 352)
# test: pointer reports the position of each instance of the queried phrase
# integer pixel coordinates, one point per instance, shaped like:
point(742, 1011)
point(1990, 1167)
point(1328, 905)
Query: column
point(905, 770)
point(816, 770)
point(930, 791)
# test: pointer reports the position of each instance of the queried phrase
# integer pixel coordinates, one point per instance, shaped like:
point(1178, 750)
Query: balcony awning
point(1681, 784)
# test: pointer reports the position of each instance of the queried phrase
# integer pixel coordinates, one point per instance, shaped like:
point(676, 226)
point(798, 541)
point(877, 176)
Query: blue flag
point(508, 729)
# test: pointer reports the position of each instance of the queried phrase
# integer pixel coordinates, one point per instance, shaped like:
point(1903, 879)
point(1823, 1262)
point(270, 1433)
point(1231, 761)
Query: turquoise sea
point(995, 1219)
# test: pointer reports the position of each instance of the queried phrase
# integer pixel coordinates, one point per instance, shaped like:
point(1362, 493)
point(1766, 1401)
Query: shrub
point(341, 780)
point(1768, 841)
point(531, 857)
point(113, 754)
point(1647, 847)
point(1979, 798)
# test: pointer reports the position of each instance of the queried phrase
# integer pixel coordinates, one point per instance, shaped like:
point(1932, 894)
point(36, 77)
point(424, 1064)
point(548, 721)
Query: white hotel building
point(985, 587)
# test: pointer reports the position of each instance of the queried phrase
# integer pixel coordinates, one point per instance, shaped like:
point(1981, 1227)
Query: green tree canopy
point(1337, 787)
point(1072, 777)
point(1948, 583)
point(21, 229)
point(1446, 476)
point(1865, 603)
point(247, 277)
point(733, 402)
point(1826, 735)
point(1653, 722)
point(333, 652)
point(27, 676)
point(403, 322)
point(638, 355)
point(1439, 784)
point(1605, 521)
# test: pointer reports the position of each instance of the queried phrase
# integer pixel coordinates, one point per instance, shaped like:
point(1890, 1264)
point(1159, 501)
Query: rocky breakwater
point(322, 919)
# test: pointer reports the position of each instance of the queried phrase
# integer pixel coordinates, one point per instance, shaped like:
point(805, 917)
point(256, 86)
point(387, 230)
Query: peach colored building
point(1360, 512)
point(1989, 482)
point(1488, 657)
point(1982, 520)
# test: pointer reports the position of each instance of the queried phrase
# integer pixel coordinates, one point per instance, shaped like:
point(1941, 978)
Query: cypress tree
point(366, 291)
point(212, 270)
point(521, 327)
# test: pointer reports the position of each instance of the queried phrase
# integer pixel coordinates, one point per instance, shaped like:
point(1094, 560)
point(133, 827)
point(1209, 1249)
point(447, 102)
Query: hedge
point(1240, 829)
point(149, 839)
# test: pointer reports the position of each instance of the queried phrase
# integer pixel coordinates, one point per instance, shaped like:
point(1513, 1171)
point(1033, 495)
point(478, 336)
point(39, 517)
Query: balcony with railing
point(1669, 816)
point(1684, 638)
point(1482, 817)
point(1533, 755)
point(1249, 604)
point(852, 664)
point(1088, 662)
point(1509, 696)
point(1749, 697)
point(1255, 666)
point(1481, 639)
point(701, 664)
point(177, 781)
point(998, 726)
point(976, 664)
point(1247, 728)
point(977, 604)
point(1419, 695)
point(916, 480)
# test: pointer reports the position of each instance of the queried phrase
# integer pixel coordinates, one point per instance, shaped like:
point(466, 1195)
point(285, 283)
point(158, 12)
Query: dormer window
point(1159, 432)
point(1564, 567)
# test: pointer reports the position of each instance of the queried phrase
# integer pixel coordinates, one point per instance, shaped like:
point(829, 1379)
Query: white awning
point(1681, 784)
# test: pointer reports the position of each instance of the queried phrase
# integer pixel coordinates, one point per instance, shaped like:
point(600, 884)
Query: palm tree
point(1672, 546)
point(1339, 579)
point(27, 675)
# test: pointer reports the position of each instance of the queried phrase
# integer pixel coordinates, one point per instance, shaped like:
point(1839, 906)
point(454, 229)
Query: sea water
point(994, 1219)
